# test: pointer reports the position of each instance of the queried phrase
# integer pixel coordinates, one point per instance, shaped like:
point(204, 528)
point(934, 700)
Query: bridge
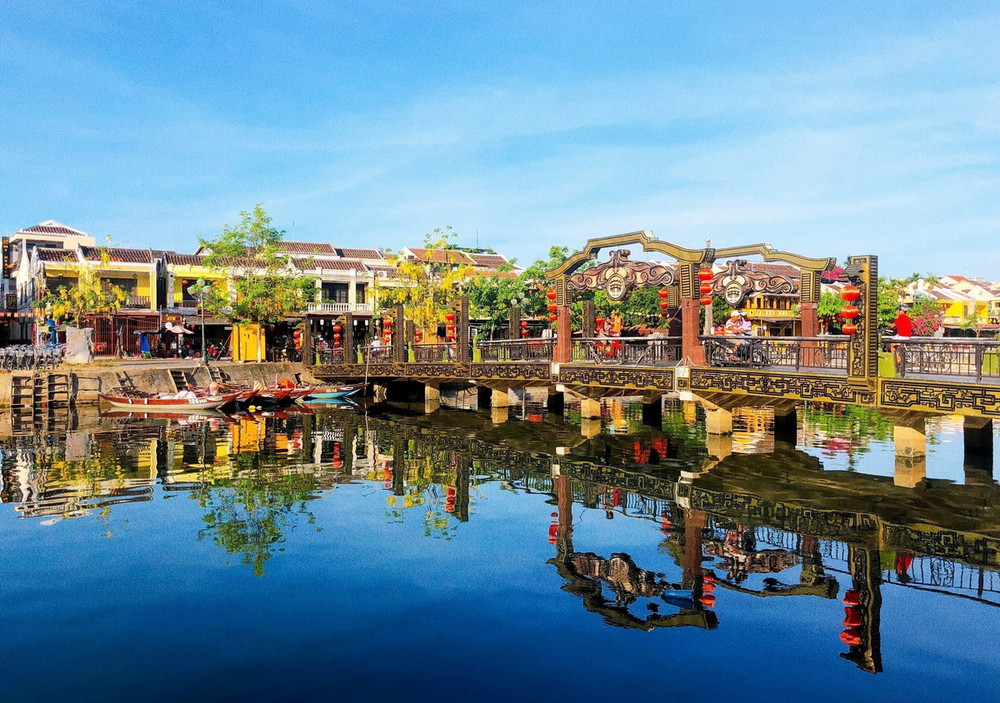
point(917, 378)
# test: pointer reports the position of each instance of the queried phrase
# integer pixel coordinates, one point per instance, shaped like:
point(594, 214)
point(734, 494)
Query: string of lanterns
point(551, 295)
point(705, 275)
point(849, 294)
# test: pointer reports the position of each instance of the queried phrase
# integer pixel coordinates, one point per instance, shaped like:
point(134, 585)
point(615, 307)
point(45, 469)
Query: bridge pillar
point(719, 446)
point(432, 397)
point(499, 415)
point(786, 428)
point(978, 450)
point(563, 352)
point(589, 427)
point(911, 452)
point(652, 413)
point(590, 409)
point(499, 399)
point(718, 421)
point(381, 392)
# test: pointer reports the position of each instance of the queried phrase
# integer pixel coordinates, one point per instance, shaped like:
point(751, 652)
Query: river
point(388, 555)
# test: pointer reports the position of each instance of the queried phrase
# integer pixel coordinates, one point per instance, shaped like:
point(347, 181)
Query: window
point(126, 284)
point(335, 292)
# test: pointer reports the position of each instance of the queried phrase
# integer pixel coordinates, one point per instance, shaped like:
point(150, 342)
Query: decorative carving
point(943, 397)
point(862, 350)
point(778, 384)
point(655, 379)
point(738, 280)
point(620, 276)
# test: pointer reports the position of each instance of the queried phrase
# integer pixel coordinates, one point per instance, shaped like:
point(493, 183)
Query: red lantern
point(849, 328)
point(599, 321)
point(336, 335)
point(451, 336)
point(553, 307)
point(524, 333)
point(664, 314)
point(336, 344)
point(705, 288)
point(664, 305)
point(705, 274)
point(387, 322)
point(706, 300)
point(337, 327)
point(524, 324)
point(449, 316)
point(551, 294)
point(553, 317)
point(850, 293)
point(849, 312)
point(663, 292)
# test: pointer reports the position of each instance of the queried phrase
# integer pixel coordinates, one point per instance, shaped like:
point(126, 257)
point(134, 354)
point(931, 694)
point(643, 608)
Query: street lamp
point(199, 291)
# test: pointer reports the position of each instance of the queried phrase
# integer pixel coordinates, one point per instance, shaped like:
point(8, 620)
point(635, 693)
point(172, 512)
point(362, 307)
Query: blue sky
point(822, 128)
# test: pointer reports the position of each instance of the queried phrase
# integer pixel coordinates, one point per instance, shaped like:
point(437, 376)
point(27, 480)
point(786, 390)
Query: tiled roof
point(358, 253)
point(128, 256)
point(305, 248)
point(441, 256)
point(58, 255)
point(337, 265)
point(173, 257)
point(485, 273)
point(378, 268)
point(489, 260)
point(52, 227)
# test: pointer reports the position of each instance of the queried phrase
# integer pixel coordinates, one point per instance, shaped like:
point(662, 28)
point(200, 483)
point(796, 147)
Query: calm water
point(341, 555)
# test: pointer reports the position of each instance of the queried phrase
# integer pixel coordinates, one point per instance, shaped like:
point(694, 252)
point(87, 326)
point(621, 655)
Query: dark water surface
point(344, 555)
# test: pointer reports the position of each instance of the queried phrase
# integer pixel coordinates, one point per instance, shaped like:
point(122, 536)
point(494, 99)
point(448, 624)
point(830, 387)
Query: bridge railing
point(517, 349)
point(798, 353)
point(977, 359)
point(327, 357)
point(432, 353)
point(629, 351)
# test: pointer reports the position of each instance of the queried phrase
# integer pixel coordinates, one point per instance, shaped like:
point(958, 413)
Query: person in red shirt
point(903, 323)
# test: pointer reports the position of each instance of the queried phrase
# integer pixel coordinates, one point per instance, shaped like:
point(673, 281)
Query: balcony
point(136, 302)
point(339, 308)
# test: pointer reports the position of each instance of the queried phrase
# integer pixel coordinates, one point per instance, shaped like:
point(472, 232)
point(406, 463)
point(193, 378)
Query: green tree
point(265, 286)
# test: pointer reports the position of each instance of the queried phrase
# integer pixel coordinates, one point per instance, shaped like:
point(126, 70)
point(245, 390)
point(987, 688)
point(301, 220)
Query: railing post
point(514, 326)
point(398, 336)
point(464, 347)
point(979, 363)
point(587, 323)
point(347, 339)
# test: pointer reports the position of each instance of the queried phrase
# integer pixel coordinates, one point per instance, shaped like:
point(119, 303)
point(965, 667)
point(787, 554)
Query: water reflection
point(763, 519)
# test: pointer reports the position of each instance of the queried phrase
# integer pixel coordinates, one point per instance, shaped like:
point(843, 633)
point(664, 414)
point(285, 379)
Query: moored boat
point(184, 401)
point(334, 392)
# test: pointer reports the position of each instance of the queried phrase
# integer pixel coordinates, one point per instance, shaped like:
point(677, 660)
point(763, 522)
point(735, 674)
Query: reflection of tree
point(249, 514)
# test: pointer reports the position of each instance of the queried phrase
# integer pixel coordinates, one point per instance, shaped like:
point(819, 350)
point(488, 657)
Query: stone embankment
point(81, 383)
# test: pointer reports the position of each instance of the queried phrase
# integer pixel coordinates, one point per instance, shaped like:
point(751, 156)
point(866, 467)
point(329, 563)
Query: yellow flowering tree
point(86, 296)
point(432, 283)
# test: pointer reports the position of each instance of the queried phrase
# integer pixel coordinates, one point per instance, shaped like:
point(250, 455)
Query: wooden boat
point(334, 392)
point(183, 402)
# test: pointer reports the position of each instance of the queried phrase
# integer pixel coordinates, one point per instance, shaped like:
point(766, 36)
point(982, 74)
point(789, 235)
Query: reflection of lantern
point(850, 638)
point(852, 597)
point(551, 294)
point(707, 600)
point(849, 312)
point(337, 461)
point(705, 288)
point(849, 328)
point(850, 293)
point(706, 300)
point(852, 617)
point(553, 317)
point(664, 305)
point(663, 292)
point(705, 274)
point(449, 316)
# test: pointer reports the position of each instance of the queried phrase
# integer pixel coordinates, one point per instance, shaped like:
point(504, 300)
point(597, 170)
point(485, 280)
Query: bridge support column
point(652, 413)
point(590, 409)
point(786, 428)
point(718, 421)
point(978, 451)
point(432, 397)
point(499, 399)
point(499, 415)
point(719, 446)
point(381, 392)
point(590, 427)
point(563, 352)
point(911, 452)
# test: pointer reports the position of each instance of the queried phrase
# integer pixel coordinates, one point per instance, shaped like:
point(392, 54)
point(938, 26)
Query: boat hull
point(173, 405)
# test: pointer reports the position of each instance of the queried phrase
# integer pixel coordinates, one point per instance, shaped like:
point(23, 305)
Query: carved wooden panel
point(944, 397)
point(620, 276)
point(617, 377)
point(778, 384)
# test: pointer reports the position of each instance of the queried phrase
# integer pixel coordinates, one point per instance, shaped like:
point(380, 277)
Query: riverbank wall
point(80, 384)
